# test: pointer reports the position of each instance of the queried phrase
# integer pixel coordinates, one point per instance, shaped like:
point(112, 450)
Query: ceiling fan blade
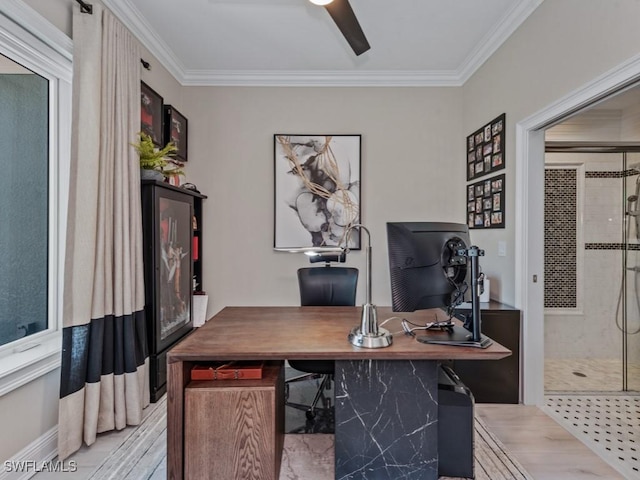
point(342, 14)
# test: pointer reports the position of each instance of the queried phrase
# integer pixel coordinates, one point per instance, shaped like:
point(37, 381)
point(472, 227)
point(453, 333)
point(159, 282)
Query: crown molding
point(130, 16)
point(322, 78)
point(495, 38)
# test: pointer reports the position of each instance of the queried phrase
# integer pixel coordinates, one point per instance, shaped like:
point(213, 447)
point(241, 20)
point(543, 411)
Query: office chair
point(321, 286)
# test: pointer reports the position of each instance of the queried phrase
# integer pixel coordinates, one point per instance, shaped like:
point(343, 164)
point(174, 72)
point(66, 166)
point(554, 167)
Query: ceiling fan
point(342, 14)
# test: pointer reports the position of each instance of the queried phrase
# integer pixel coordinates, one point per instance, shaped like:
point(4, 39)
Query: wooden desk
point(386, 405)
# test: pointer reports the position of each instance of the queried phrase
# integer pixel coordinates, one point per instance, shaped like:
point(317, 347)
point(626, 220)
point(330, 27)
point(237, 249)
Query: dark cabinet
point(171, 243)
point(495, 381)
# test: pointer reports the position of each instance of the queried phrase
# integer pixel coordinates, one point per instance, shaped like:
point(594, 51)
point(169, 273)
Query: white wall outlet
point(502, 248)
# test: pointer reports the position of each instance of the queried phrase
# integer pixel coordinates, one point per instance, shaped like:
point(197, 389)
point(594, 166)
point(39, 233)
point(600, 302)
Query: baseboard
point(26, 462)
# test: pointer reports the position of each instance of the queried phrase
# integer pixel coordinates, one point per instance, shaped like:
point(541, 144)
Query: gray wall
point(410, 171)
point(562, 46)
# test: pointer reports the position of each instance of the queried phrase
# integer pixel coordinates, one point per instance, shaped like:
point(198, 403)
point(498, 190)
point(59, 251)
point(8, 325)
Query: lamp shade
point(313, 251)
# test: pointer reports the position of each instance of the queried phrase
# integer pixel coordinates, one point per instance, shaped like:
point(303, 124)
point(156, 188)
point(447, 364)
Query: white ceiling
point(293, 42)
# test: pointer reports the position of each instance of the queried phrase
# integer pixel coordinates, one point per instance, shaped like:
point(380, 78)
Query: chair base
point(320, 412)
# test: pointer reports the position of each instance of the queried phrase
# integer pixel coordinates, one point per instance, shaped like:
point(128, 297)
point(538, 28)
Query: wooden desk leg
point(386, 419)
point(177, 378)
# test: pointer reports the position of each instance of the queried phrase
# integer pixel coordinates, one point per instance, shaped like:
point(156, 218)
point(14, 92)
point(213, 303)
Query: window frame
point(32, 41)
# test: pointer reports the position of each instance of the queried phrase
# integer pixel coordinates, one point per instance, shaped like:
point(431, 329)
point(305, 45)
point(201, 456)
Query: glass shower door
point(628, 321)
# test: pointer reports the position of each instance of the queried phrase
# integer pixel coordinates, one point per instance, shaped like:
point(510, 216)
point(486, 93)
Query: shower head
point(634, 166)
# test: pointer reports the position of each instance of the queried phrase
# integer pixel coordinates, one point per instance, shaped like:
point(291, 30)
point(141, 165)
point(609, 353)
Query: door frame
point(529, 233)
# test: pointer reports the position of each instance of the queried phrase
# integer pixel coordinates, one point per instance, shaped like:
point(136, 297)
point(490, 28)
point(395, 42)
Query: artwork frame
point(151, 114)
point(486, 203)
point(317, 190)
point(486, 148)
point(176, 128)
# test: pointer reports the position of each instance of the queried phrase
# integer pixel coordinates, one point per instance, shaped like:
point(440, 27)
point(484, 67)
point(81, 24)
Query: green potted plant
point(154, 161)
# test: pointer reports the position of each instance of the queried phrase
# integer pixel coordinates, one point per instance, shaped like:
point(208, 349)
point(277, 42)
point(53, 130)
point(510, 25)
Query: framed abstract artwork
point(317, 190)
point(175, 130)
point(151, 113)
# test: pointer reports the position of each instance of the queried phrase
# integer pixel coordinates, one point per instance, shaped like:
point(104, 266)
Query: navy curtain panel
point(104, 375)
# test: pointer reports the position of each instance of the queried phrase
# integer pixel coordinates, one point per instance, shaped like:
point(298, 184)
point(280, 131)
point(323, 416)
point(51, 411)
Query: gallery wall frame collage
point(163, 123)
point(485, 155)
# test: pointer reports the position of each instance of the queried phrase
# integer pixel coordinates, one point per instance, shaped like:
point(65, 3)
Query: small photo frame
point(497, 202)
point(175, 130)
point(488, 144)
point(151, 113)
point(486, 208)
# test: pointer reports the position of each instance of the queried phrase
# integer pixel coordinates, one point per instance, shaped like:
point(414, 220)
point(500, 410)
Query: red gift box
point(228, 371)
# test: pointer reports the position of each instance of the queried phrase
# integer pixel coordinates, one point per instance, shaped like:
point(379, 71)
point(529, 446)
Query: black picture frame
point(486, 203)
point(315, 210)
point(485, 149)
point(176, 131)
point(151, 113)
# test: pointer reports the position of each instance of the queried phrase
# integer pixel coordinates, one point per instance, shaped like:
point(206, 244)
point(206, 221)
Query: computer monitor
point(429, 264)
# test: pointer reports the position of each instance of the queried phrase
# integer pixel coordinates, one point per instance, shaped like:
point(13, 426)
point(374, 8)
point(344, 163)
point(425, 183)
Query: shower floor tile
point(588, 375)
point(608, 424)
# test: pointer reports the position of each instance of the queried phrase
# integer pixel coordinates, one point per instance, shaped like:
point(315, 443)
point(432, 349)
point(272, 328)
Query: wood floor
point(545, 449)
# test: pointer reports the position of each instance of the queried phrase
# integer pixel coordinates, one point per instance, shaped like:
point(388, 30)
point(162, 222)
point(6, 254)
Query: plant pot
point(151, 175)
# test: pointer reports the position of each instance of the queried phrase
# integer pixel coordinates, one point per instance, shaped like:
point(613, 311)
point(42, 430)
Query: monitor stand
point(458, 336)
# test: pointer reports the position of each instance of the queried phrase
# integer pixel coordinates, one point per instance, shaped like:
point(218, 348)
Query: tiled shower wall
point(560, 237)
point(584, 218)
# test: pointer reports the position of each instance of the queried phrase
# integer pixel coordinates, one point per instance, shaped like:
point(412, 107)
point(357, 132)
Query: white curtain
point(104, 379)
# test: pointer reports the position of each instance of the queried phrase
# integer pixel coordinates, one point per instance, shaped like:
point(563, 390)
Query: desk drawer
point(234, 429)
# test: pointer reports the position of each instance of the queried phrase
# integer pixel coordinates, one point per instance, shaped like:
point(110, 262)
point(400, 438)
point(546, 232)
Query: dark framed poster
point(485, 149)
point(175, 130)
point(151, 113)
point(486, 202)
point(317, 190)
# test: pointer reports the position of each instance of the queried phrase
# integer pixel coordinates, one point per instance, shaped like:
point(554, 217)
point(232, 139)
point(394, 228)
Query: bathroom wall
point(586, 327)
point(594, 283)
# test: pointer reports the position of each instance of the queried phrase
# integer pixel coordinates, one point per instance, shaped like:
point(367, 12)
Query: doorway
point(529, 232)
point(592, 254)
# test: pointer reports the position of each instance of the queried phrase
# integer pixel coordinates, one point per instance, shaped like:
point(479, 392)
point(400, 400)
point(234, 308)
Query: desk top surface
point(295, 333)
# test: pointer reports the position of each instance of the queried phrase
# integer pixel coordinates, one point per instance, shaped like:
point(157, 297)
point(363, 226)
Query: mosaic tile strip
point(560, 238)
point(620, 174)
point(612, 246)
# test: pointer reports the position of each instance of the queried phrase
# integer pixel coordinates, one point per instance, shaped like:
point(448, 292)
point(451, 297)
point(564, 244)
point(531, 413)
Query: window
point(24, 196)
point(35, 113)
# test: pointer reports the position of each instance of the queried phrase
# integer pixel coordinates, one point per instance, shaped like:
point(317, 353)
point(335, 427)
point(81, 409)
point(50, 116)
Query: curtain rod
point(88, 8)
point(85, 7)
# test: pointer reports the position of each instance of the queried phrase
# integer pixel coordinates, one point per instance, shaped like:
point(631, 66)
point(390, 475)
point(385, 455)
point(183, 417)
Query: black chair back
point(328, 286)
